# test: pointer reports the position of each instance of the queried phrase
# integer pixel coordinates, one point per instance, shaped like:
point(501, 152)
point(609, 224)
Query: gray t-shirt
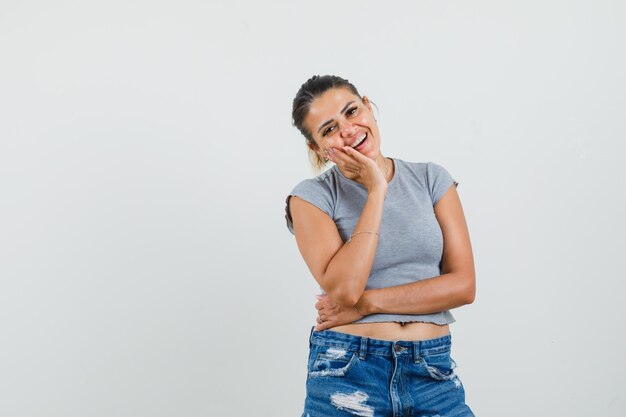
point(410, 244)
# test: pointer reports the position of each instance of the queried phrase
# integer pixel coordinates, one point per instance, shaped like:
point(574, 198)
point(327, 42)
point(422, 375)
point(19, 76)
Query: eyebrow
point(327, 122)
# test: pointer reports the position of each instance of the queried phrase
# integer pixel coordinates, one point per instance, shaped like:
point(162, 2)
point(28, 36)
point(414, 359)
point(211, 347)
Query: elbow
point(344, 297)
point(469, 289)
point(470, 297)
point(344, 292)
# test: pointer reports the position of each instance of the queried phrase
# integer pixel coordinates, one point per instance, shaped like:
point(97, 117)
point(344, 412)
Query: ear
point(315, 148)
point(367, 102)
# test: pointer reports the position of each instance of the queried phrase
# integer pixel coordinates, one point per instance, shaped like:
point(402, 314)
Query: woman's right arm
point(342, 270)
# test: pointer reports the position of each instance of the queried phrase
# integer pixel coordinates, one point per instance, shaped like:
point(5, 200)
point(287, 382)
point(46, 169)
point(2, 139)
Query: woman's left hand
point(330, 314)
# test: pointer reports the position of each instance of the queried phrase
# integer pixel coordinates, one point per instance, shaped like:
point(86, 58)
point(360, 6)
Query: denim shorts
point(351, 375)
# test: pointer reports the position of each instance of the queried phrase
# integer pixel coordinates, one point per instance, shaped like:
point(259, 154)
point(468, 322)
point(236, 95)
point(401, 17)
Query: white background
point(146, 150)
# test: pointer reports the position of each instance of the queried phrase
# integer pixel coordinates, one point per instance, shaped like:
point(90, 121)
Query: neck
point(386, 166)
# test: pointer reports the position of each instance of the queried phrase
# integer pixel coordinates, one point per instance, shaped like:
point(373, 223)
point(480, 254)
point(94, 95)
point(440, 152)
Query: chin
point(373, 155)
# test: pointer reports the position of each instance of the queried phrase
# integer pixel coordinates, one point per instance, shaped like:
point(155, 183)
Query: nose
point(347, 129)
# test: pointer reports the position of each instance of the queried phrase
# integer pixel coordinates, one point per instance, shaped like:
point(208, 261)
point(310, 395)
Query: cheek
point(324, 144)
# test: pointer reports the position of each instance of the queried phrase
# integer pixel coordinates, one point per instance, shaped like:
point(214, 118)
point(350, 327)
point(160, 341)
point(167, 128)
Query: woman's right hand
point(330, 315)
point(359, 168)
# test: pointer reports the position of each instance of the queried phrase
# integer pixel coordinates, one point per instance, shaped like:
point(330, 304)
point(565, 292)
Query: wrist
point(364, 305)
point(377, 193)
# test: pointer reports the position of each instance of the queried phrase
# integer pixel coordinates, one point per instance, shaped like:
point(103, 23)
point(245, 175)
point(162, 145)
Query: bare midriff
point(394, 330)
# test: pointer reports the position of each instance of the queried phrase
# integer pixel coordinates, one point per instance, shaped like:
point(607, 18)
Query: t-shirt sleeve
point(314, 192)
point(439, 181)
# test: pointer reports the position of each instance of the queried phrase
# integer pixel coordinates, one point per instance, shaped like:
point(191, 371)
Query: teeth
point(359, 140)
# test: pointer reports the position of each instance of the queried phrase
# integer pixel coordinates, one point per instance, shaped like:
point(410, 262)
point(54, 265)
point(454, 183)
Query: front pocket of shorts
point(331, 364)
point(440, 366)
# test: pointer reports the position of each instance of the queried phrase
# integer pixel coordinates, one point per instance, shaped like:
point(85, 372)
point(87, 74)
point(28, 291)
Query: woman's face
point(338, 118)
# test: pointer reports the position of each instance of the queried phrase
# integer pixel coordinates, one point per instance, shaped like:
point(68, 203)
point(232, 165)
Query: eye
point(327, 130)
point(351, 111)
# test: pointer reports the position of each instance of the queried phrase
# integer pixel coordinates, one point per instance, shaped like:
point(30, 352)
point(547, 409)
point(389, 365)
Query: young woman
point(388, 244)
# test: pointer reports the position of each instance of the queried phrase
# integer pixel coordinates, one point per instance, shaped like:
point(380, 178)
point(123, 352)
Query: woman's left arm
point(456, 286)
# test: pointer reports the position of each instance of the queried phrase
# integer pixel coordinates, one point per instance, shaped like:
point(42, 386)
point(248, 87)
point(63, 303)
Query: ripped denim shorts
point(351, 375)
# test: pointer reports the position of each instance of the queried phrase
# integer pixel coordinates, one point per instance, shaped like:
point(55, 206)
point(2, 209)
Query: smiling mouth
point(359, 142)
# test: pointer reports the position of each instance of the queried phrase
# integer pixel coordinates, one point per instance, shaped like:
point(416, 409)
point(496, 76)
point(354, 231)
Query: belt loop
point(416, 351)
point(363, 349)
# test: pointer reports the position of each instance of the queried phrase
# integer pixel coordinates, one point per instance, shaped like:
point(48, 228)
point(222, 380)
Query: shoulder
point(437, 173)
point(322, 182)
point(423, 168)
point(431, 175)
point(426, 170)
point(434, 168)
point(439, 180)
point(413, 170)
point(320, 191)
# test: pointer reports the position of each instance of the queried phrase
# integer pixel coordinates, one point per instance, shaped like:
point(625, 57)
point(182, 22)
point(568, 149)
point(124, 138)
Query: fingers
point(338, 156)
point(343, 160)
point(320, 301)
point(330, 307)
point(354, 153)
point(323, 325)
point(323, 318)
